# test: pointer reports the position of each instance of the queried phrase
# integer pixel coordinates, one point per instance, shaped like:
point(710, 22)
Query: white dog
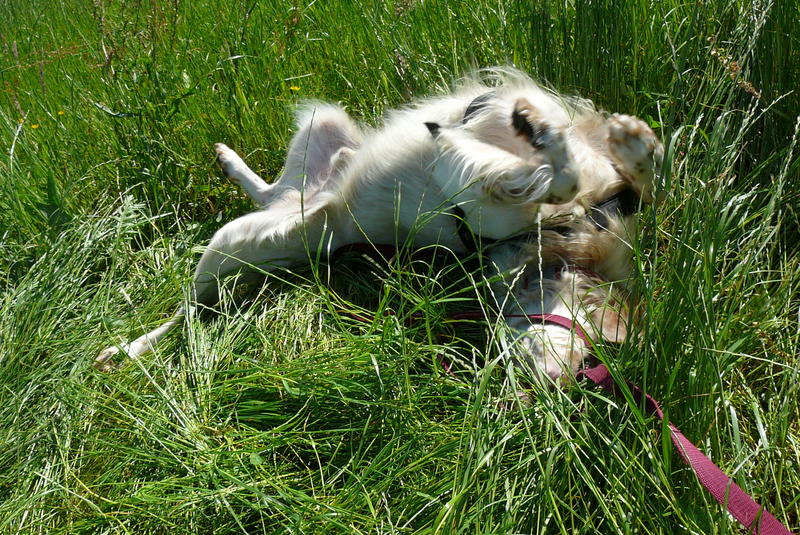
point(487, 163)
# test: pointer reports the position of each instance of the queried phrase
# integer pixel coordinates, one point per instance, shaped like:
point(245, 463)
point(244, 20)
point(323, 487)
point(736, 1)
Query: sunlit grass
point(283, 413)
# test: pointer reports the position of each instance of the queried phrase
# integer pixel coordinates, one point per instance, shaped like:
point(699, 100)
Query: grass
point(286, 415)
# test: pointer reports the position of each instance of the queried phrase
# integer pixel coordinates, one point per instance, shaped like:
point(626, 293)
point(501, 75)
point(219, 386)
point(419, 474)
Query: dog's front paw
point(636, 149)
point(526, 183)
point(539, 184)
point(563, 186)
point(232, 165)
point(550, 151)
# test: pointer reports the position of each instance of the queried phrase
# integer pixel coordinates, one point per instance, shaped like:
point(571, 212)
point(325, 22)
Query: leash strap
point(750, 514)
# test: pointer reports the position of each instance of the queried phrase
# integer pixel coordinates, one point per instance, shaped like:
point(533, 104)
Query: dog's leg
point(254, 245)
point(234, 168)
point(636, 151)
point(326, 138)
point(140, 346)
point(504, 176)
point(279, 236)
point(323, 146)
point(261, 193)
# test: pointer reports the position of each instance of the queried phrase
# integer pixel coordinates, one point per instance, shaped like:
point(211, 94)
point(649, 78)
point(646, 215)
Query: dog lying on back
point(482, 165)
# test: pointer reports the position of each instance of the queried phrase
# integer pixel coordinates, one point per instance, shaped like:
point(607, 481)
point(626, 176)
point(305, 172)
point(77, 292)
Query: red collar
point(561, 321)
point(553, 319)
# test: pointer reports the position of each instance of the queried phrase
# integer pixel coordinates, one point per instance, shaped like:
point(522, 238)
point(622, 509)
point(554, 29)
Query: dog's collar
point(563, 321)
point(625, 203)
point(552, 319)
point(557, 319)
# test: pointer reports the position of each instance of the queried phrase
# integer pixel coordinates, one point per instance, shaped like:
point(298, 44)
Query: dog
point(565, 283)
point(479, 166)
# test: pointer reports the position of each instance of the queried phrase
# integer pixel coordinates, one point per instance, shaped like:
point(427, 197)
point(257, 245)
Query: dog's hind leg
point(325, 142)
point(141, 345)
point(285, 235)
point(238, 172)
point(254, 245)
point(261, 193)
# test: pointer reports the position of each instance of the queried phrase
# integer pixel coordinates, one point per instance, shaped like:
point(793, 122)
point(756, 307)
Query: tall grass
point(286, 415)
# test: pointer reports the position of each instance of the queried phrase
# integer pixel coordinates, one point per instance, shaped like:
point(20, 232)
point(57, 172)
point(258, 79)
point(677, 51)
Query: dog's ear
point(528, 123)
point(433, 128)
point(609, 324)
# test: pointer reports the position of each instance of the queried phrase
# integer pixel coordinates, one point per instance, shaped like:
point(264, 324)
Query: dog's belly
point(391, 197)
point(406, 217)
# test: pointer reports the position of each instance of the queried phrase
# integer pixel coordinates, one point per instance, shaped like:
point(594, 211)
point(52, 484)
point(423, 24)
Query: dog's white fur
point(398, 184)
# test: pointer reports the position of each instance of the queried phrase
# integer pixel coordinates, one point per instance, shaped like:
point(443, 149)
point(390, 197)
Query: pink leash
point(744, 508)
point(750, 514)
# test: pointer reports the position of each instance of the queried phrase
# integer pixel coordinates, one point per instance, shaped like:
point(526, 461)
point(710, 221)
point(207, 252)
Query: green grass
point(286, 415)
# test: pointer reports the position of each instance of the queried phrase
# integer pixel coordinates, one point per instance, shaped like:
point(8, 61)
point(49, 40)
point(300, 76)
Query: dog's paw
point(525, 183)
point(232, 165)
point(550, 149)
point(105, 360)
point(635, 148)
point(563, 187)
point(547, 184)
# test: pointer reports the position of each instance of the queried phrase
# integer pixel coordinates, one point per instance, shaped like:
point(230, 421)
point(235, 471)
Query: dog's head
point(582, 311)
point(556, 314)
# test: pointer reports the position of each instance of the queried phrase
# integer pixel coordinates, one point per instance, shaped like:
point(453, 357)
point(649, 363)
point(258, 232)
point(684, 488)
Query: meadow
point(282, 413)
